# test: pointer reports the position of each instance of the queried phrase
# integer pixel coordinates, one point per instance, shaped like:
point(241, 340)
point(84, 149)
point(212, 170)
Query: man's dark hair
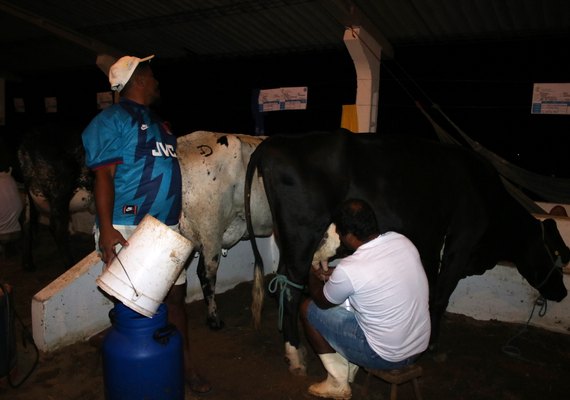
point(357, 217)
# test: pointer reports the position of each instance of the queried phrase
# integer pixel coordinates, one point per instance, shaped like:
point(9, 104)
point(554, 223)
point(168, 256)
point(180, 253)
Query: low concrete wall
point(503, 294)
point(72, 307)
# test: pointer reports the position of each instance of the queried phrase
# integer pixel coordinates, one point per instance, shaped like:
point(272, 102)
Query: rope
point(126, 273)
point(514, 351)
point(281, 283)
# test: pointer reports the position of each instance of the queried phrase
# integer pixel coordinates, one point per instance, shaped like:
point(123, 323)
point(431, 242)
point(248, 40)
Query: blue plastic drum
point(142, 357)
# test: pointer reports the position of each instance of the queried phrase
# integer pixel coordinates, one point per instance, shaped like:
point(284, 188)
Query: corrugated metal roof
point(44, 34)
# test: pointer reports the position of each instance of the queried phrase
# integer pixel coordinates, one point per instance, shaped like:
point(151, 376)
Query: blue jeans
point(341, 330)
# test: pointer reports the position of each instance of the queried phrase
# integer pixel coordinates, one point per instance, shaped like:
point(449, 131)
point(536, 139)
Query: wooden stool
point(396, 377)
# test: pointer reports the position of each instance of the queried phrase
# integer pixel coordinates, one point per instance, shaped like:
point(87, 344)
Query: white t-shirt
point(387, 287)
point(11, 204)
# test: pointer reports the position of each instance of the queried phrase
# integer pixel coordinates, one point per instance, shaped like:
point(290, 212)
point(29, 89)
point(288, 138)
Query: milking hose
point(26, 336)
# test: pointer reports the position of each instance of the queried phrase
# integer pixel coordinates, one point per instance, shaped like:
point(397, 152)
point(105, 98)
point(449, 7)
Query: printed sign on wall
point(286, 98)
point(19, 105)
point(51, 104)
point(551, 98)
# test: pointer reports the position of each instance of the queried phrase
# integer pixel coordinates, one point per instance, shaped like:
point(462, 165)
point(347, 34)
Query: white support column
point(365, 53)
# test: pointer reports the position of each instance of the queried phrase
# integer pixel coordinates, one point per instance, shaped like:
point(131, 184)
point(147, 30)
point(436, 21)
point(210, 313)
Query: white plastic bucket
point(143, 272)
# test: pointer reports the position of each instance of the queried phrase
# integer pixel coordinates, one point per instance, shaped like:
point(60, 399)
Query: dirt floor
point(246, 364)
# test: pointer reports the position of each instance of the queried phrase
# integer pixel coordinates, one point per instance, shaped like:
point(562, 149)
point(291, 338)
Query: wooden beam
point(59, 30)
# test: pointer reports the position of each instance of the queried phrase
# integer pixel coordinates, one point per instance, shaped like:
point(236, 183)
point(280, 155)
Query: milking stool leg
point(417, 388)
point(396, 377)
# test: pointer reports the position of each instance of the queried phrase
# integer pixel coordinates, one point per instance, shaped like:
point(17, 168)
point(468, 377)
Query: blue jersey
point(147, 177)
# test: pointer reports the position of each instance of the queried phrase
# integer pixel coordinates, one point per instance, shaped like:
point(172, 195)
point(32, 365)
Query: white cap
point(122, 70)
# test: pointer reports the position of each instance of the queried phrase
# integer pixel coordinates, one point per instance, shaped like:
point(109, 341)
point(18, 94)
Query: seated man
point(388, 324)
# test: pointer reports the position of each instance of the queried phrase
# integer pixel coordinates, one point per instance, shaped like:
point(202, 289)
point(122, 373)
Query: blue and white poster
point(551, 98)
point(280, 99)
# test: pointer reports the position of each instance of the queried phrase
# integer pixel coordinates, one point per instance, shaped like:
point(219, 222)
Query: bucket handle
point(162, 335)
point(137, 294)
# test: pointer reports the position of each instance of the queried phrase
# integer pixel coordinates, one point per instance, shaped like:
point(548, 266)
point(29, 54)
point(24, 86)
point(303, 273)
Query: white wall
point(72, 308)
point(503, 294)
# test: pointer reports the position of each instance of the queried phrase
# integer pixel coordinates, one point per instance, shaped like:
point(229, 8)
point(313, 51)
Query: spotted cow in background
point(447, 199)
point(213, 169)
point(57, 183)
point(213, 174)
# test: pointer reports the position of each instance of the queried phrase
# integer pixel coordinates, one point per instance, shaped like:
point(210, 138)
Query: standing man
point(133, 155)
point(387, 324)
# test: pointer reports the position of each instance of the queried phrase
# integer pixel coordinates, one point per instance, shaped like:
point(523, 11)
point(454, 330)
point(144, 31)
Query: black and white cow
point(213, 174)
point(440, 196)
point(57, 182)
point(213, 169)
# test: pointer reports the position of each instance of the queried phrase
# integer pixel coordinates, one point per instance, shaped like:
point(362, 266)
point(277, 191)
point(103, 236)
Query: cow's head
point(546, 258)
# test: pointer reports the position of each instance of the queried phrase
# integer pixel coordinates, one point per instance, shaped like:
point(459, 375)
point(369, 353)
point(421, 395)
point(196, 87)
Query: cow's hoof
point(295, 359)
point(215, 324)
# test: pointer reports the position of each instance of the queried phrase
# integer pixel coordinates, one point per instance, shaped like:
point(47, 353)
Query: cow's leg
point(59, 227)
point(432, 267)
point(445, 287)
point(454, 267)
point(207, 270)
point(29, 228)
point(295, 354)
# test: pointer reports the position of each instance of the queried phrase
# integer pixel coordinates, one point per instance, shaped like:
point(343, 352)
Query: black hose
point(26, 337)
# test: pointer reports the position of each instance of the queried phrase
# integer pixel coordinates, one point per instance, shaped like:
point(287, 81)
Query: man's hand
point(107, 242)
point(322, 271)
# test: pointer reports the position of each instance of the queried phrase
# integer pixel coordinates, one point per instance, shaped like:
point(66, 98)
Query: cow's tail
point(258, 289)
